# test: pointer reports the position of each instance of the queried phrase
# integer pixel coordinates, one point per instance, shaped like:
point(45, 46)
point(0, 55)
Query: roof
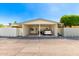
point(38, 19)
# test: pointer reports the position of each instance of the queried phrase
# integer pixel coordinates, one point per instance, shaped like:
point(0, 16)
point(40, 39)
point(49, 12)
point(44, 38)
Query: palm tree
point(14, 22)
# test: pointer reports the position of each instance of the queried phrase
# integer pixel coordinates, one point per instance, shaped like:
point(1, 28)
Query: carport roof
point(38, 19)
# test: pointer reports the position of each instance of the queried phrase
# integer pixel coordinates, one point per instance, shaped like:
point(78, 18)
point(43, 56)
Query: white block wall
point(10, 32)
point(71, 32)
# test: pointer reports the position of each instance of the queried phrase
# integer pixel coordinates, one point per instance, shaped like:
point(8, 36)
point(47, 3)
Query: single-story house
point(39, 27)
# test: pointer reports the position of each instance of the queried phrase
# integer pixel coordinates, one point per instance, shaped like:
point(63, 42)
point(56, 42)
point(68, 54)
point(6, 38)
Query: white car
point(48, 32)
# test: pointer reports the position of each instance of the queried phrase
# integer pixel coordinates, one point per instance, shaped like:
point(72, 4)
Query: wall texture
point(10, 32)
point(71, 32)
point(13, 32)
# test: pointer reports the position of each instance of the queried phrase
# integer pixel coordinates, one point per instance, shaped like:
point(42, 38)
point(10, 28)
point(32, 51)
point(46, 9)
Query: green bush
point(2, 26)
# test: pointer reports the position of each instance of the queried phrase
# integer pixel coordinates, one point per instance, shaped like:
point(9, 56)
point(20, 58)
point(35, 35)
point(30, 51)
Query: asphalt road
point(39, 47)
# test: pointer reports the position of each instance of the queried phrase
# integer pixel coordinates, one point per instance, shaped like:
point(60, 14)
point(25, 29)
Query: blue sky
point(10, 12)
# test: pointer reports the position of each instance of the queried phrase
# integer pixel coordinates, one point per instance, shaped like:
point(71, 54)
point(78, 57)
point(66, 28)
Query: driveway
point(38, 47)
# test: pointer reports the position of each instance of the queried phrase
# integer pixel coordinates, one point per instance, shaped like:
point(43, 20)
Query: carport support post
point(39, 30)
point(56, 30)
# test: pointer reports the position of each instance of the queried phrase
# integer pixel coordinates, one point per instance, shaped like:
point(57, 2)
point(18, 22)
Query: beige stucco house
point(38, 27)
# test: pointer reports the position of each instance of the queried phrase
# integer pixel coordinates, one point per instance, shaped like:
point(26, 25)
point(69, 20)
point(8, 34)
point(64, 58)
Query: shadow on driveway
point(36, 38)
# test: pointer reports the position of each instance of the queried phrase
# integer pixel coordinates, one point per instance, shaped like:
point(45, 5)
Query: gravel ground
point(39, 47)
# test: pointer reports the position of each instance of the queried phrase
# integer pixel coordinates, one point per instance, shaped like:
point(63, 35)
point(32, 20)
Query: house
point(38, 27)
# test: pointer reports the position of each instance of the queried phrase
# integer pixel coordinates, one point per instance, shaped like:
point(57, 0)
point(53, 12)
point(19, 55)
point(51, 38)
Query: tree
point(14, 22)
point(70, 20)
point(9, 24)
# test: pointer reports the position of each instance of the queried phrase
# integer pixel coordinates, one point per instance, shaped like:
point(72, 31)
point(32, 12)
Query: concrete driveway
point(38, 47)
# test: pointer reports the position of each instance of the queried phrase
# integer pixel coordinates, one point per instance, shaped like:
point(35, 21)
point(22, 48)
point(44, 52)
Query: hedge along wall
point(71, 32)
point(9, 32)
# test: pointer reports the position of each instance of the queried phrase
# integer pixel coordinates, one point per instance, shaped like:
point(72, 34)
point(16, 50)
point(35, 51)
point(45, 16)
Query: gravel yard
point(38, 47)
